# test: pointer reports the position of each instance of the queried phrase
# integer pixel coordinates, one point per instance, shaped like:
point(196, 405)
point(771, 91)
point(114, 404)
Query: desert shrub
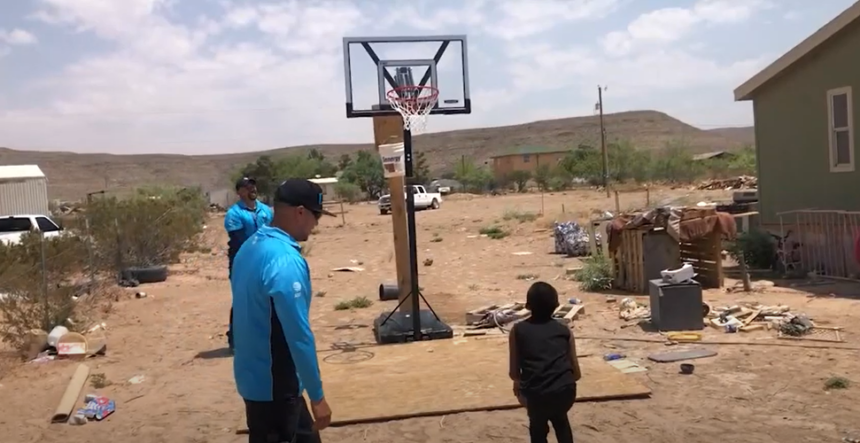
point(349, 192)
point(520, 216)
point(595, 275)
point(757, 247)
point(39, 280)
point(151, 228)
point(494, 232)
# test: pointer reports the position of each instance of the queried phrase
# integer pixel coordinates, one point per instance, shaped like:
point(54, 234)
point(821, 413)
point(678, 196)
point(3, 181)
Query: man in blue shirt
point(275, 357)
point(241, 222)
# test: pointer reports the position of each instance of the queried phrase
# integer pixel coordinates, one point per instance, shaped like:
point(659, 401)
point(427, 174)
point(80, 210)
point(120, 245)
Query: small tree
point(543, 175)
point(347, 191)
point(519, 179)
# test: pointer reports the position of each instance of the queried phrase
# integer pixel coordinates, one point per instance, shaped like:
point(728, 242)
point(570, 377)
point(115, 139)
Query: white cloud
point(17, 37)
point(259, 74)
point(668, 25)
point(524, 18)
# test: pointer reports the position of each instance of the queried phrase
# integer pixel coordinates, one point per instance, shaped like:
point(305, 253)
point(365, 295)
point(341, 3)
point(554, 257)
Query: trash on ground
point(348, 269)
point(137, 379)
point(572, 240)
point(629, 310)
point(96, 408)
point(626, 366)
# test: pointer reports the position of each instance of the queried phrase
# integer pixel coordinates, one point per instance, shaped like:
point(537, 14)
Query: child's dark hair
point(541, 300)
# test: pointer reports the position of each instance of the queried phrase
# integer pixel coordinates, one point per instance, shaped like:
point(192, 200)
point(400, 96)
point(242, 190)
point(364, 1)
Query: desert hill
point(745, 135)
point(72, 175)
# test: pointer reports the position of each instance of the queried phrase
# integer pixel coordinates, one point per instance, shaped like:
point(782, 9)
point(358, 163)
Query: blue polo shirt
point(274, 350)
point(242, 218)
point(241, 222)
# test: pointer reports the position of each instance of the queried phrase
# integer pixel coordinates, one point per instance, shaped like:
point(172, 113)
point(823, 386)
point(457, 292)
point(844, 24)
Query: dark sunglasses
point(317, 214)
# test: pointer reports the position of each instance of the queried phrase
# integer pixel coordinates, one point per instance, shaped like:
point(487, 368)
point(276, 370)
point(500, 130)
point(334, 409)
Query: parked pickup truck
point(13, 227)
point(423, 200)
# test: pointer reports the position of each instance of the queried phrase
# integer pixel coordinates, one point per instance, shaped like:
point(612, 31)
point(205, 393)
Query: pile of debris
point(754, 317)
point(504, 316)
point(728, 184)
point(572, 240)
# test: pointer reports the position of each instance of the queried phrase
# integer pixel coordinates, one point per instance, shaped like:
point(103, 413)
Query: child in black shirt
point(543, 366)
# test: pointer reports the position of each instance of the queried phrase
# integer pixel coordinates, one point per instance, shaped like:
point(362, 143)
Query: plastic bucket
point(393, 160)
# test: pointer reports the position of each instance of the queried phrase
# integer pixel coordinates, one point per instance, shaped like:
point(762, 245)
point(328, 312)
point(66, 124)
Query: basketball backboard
point(375, 65)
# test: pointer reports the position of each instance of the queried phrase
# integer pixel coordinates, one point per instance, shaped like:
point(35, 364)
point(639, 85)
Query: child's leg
point(538, 425)
point(561, 425)
point(562, 402)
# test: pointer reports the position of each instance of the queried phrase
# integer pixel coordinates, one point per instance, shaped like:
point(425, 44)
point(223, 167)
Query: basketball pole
point(389, 129)
point(414, 290)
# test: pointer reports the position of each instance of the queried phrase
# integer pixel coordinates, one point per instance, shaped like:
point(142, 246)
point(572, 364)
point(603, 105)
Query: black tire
point(434, 204)
point(383, 212)
point(149, 274)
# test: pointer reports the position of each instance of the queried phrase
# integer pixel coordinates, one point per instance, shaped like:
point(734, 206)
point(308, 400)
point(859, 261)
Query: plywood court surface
point(440, 377)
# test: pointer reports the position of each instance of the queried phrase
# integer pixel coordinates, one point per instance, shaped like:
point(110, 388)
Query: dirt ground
point(754, 392)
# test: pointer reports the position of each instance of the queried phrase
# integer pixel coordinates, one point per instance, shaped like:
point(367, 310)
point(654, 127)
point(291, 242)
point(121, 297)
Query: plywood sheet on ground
point(442, 377)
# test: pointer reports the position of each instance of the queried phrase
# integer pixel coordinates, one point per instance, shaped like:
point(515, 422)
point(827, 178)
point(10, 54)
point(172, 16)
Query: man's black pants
point(280, 421)
point(550, 408)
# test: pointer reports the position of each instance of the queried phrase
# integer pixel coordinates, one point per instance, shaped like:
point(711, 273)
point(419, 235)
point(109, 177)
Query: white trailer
point(23, 190)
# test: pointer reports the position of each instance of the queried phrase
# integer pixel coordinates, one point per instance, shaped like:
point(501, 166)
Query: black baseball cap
point(245, 181)
point(301, 192)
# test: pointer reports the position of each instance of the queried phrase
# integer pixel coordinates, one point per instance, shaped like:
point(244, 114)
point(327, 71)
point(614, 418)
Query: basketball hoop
point(414, 103)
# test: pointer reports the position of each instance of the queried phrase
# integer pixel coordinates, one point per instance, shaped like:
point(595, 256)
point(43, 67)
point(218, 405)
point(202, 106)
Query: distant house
point(525, 158)
point(803, 106)
point(327, 184)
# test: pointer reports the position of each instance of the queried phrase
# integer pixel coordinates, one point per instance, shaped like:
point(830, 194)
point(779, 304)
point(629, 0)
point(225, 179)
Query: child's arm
point(574, 360)
point(514, 366)
point(513, 357)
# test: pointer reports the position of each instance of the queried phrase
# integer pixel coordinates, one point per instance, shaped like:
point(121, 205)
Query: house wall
point(792, 132)
point(504, 165)
point(24, 196)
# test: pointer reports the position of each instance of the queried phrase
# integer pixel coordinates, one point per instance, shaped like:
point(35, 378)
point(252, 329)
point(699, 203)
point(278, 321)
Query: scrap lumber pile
point(741, 182)
point(500, 316)
point(779, 318)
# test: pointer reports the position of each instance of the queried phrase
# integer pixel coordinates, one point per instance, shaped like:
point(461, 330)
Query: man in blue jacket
point(242, 220)
point(275, 357)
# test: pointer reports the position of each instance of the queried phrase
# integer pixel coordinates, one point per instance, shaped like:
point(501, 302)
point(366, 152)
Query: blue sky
point(219, 76)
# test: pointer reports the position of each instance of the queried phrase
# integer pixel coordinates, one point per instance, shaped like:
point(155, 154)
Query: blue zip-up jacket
point(275, 354)
point(241, 223)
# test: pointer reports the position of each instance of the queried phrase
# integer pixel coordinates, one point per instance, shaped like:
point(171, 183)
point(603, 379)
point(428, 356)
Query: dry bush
point(39, 293)
point(151, 228)
point(40, 279)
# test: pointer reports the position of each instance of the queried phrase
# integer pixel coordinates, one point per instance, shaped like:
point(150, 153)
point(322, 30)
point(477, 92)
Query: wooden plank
point(472, 373)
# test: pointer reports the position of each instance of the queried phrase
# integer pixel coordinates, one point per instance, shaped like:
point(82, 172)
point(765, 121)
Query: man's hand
point(322, 414)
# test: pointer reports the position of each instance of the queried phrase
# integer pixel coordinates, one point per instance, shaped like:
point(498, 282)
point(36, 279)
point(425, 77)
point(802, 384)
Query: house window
point(526, 158)
point(841, 129)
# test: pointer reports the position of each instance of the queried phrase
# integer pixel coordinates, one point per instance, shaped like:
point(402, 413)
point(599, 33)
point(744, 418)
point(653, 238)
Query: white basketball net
point(414, 103)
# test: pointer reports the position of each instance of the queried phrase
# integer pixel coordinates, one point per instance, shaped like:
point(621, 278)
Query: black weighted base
point(398, 328)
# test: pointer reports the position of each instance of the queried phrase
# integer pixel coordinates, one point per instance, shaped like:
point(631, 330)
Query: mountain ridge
point(72, 175)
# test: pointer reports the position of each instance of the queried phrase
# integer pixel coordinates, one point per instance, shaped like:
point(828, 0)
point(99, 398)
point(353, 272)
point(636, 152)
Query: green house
point(803, 105)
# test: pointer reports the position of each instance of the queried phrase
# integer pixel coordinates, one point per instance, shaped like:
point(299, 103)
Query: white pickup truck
point(423, 200)
point(13, 227)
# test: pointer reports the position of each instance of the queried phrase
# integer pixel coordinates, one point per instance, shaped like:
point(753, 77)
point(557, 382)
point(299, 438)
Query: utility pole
point(603, 140)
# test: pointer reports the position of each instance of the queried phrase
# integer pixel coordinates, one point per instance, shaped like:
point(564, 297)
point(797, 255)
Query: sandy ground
point(174, 339)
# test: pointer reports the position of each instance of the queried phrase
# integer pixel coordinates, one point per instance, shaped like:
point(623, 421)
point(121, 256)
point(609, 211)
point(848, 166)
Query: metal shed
point(23, 190)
